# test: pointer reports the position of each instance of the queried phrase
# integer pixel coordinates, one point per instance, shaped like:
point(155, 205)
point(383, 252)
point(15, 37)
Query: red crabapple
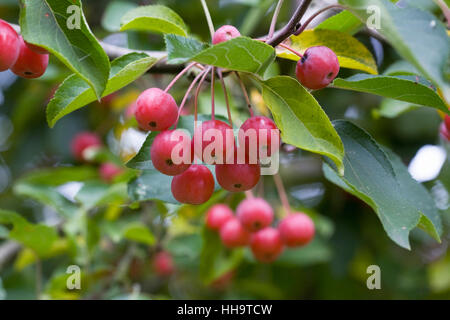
point(238, 177)
point(9, 46)
point(211, 137)
point(297, 229)
point(194, 186)
point(445, 132)
point(447, 122)
point(109, 171)
point(163, 264)
point(36, 48)
point(266, 245)
point(233, 234)
point(254, 214)
point(156, 110)
point(225, 33)
point(29, 64)
point(217, 216)
point(258, 132)
point(83, 141)
point(317, 68)
point(171, 152)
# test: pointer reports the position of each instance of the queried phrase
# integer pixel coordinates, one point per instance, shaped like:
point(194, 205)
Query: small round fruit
point(163, 264)
point(297, 229)
point(238, 177)
point(36, 49)
point(258, 131)
point(29, 64)
point(83, 141)
point(317, 68)
point(156, 110)
point(194, 186)
point(233, 234)
point(225, 33)
point(254, 214)
point(9, 46)
point(171, 152)
point(109, 171)
point(218, 215)
point(204, 141)
point(266, 245)
point(447, 122)
point(444, 131)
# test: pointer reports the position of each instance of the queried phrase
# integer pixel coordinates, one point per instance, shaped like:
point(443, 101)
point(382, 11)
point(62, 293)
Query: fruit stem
point(187, 94)
point(249, 194)
point(292, 50)
point(225, 92)
point(197, 92)
point(208, 18)
point(213, 100)
point(274, 19)
point(178, 76)
point(312, 17)
point(247, 100)
point(282, 193)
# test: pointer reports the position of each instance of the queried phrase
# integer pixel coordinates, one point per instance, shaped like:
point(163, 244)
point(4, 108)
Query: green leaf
point(239, 54)
point(154, 18)
point(37, 237)
point(151, 185)
point(418, 36)
point(390, 108)
point(300, 118)
point(52, 25)
point(114, 13)
point(403, 88)
point(138, 232)
point(401, 68)
point(181, 49)
point(344, 21)
point(73, 93)
point(351, 53)
point(383, 182)
point(96, 193)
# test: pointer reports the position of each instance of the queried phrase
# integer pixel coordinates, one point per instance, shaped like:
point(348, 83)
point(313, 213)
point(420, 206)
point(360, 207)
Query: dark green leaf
point(181, 49)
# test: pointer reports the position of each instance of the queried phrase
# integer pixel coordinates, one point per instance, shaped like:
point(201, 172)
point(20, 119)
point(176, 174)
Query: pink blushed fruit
point(225, 33)
point(156, 110)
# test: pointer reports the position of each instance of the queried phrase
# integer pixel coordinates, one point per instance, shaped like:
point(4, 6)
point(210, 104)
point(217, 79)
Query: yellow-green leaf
point(351, 53)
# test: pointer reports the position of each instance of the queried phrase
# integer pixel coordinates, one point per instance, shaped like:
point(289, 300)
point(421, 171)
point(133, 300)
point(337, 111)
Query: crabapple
point(237, 177)
point(445, 132)
point(257, 131)
point(109, 171)
point(225, 33)
point(9, 46)
point(36, 48)
point(254, 214)
point(29, 64)
point(218, 215)
point(233, 234)
point(297, 229)
point(163, 264)
point(82, 142)
point(317, 68)
point(205, 144)
point(194, 186)
point(447, 122)
point(156, 110)
point(266, 244)
point(168, 152)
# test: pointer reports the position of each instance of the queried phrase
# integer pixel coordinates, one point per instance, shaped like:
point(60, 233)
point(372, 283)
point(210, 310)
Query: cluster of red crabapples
point(237, 168)
point(252, 226)
point(24, 59)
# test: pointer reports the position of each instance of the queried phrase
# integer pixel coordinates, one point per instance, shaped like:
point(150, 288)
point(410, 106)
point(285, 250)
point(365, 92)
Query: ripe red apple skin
point(444, 131)
point(233, 234)
point(194, 186)
point(83, 141)
point(156, 110)
point(255, 214)
point(161, 152)
point(9, 46)
point(297, 229)
point(200, 135)
point(447, 122)
point(225, 33)
point(317, 68)
point(217, 216)
point(109, 171)
point(266, 245)
point(238, 177)
point(29, 64)
point(258, 123)
point(163, 264)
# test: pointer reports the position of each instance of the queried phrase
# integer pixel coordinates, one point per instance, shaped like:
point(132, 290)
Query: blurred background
point(350, 236)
